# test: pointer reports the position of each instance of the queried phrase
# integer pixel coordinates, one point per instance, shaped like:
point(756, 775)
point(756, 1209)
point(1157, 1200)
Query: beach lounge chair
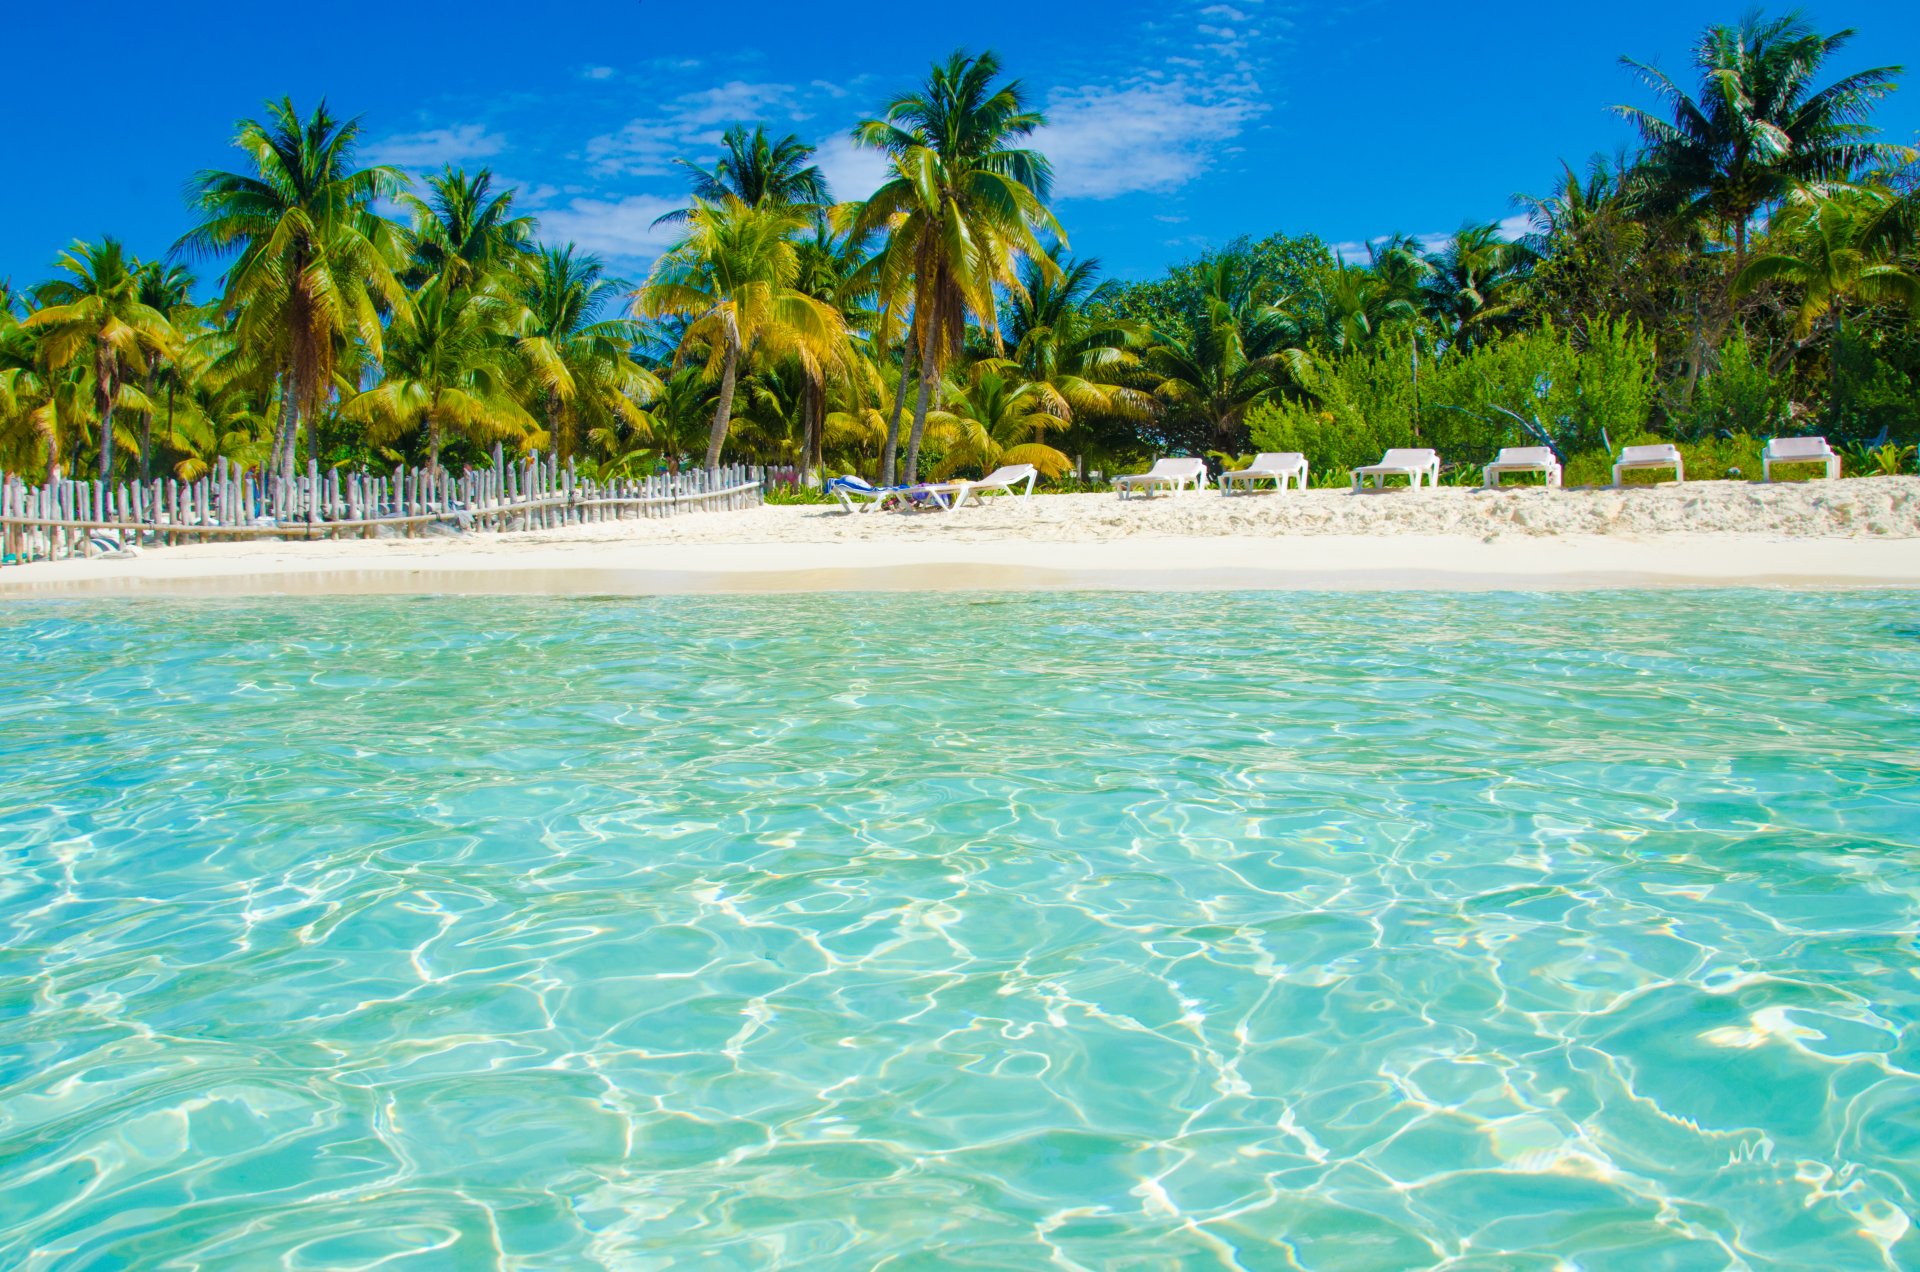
point(1274, 466)
point(1799, 450)
point(105, 543)
point(1665, 455)
point(1411, 463)
point(857, 494)
point(1171, 473)
point(1002, 480)
point(1523, 459)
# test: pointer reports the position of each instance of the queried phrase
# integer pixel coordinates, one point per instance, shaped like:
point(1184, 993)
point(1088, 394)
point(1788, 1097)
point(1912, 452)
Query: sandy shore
point(1861, 533)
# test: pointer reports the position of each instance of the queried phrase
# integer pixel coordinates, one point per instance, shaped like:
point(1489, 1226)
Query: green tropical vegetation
point(1749, 267)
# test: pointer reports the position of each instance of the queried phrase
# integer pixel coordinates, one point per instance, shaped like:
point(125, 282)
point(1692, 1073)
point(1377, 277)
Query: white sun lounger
point(849, 489)
point(1274, 466)
point(1799, 450)
point(1169, 473)
point(1524, 459)
point(1665, 455)
point(1002, 480)
point(1411, 463)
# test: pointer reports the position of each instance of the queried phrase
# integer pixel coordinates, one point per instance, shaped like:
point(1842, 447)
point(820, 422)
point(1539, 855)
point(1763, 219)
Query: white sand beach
point(1855, 533)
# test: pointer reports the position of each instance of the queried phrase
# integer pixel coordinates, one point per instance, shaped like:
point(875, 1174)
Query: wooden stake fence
point(62, 519)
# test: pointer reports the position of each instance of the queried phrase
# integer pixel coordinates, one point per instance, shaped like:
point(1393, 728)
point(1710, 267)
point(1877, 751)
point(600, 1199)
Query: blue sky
point(1174, 125)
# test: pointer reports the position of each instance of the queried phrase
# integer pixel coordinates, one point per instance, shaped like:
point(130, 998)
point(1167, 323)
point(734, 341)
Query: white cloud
point(622, 228)
point(1106, 142)
point(597, 73)
point(436, 146)
point(689, 126)
point(733, 102)
point(853, 172)
point(1517, 226)
point(1355, 251)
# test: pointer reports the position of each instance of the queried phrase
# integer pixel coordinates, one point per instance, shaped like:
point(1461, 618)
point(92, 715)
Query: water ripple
point(1216, 931)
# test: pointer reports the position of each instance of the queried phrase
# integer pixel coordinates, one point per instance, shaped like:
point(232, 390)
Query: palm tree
point(1832, 249)
point(733, 275)
point(98, 315)
point(1353, 305)
point(676, 419)
point(317, 263)
point(1088, 365)
point(1241, 347)
point(166, 289)
point(995, 416)
point(1400, 265)
point(447, 365)
point(27, 419)
point(757, 169)
point(583, 363)
point(1476, 283)
point(1576, 203)
point(960, 206)
point(463, 231)
point(829, 269)
point(1759, 125)
point(219, 399)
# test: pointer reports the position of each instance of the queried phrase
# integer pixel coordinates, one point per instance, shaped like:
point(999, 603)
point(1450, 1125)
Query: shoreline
point(1324, 563)
point(1862, 534)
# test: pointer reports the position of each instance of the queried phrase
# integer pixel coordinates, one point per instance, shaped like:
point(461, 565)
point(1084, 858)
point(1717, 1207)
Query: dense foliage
point(1750, 269)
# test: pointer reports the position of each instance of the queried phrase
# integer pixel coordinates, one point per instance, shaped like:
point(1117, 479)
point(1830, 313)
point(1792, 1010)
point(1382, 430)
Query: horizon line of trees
point(1753, 264)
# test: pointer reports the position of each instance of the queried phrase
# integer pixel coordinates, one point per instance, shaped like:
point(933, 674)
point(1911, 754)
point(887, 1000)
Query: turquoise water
point(1268, 931)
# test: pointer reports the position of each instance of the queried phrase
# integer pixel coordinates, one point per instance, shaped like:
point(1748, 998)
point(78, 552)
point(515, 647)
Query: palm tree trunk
point(817, 462)
point(805, 451)
point(893, 421)
point(146, 436)
point(52, 436)
point(553, 432)
point(1833, 367)
point(919, 420)
point(433, 442)
point(1696, 355)
point(809, 430)
point(289, 420)
point(723, 413)
point(104, 391)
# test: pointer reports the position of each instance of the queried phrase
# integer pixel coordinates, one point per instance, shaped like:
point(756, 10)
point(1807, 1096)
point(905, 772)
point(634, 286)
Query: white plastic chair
point(1799, 450)
point(1277, 467)
point(1169, 473)
point(1524, 459)
point(1002, 480)
point(1413, 463)
point(1665, 455)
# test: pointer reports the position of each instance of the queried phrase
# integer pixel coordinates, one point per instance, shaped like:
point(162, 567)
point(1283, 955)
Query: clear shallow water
point(1259, 931)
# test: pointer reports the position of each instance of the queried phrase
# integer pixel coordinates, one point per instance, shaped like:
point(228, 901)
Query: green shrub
point(1510, 393)
point(1741, 396)
point(782, 493)
point(1857, 459)
point(1875, 398)
point(1363, 406)
point(1068, 484)
point(1708, 459)
point(1613, 383)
